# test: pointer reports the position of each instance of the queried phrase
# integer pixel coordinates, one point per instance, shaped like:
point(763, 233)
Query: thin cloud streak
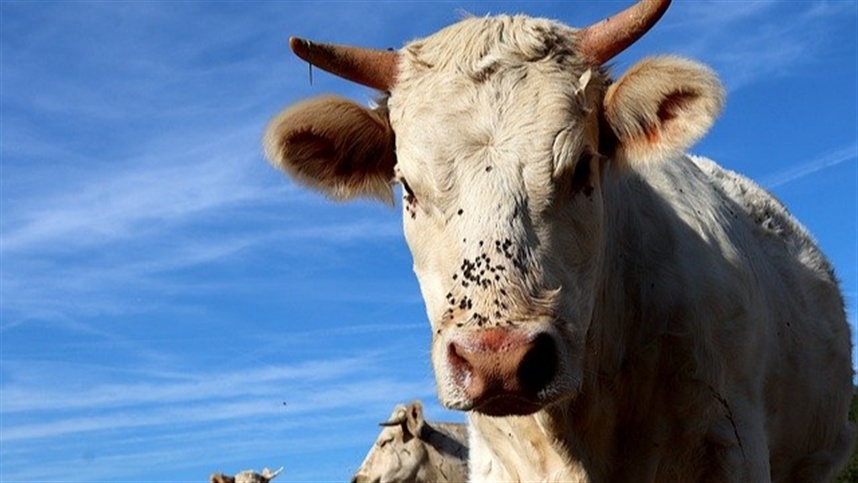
point(264, 404)
point(321, 409)
point(795, 173)
point(222, 448)
point(103, 282)
point(766, 47)
point(103, 209)
point(240, 394)
point(32, 395)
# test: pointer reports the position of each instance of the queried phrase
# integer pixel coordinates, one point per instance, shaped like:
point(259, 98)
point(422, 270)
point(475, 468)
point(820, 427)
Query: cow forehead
point(500, 54)
point(509, 82)
point(488, 92)
point(476, 46)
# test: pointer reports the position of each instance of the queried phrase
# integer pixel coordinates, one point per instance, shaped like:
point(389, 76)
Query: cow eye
point(581, 176)
point(406, 188)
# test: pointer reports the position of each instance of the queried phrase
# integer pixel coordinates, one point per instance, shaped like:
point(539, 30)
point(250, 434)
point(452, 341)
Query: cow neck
point(448, 457)
point(444, 442)
point(524, 448)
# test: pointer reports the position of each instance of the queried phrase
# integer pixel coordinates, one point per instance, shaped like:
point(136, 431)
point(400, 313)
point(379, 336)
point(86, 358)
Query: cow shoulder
point(770, 215)
point(660, 107)
point(335, 146)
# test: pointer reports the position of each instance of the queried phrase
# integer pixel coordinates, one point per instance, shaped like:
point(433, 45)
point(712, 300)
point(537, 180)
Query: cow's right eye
point(581, 176)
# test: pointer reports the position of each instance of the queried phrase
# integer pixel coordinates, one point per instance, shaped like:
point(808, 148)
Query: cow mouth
point(506, 405)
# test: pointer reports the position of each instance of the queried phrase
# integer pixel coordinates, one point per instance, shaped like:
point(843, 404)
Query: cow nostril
point(457, 361)
point(539, 365)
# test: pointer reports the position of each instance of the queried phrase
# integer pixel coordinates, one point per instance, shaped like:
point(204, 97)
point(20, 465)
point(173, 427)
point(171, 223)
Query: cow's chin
point(501, 404)
point(507, 405)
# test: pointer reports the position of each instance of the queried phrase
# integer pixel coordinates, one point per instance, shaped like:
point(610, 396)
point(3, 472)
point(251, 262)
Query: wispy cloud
point(748, 41)
point(121, 228)
point(35, 396)
point(167, 187)
point(255, 403)
point(214, 409)
point(794, 173)
point(122, 279)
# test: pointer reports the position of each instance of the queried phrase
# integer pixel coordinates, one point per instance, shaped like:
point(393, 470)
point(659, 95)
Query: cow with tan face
point(411, 449)
point(247, 476)
point(605, 307)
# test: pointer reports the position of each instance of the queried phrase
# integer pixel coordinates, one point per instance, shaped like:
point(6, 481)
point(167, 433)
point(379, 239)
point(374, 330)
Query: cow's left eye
point(406, 188)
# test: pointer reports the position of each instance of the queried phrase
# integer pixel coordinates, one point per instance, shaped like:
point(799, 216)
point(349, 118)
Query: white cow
point(605, 307)
point(411, 449)
point(247, 476)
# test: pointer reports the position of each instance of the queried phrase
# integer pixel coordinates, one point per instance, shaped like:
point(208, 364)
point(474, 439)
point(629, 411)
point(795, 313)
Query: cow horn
point(393, 421)
point(270, 475)
point(370, 67)
point(601, 41)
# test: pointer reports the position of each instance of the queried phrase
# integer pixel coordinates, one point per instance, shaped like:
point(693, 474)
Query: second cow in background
point(412, 449)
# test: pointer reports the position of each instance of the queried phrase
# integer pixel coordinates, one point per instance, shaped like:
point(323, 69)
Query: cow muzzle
point(502, 372)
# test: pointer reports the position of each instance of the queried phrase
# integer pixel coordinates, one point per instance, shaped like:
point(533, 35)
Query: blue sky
point(171, 306)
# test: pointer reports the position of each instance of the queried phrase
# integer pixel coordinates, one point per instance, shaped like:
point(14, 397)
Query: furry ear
point(660, 107)
point(335, 146)
point(414, 418)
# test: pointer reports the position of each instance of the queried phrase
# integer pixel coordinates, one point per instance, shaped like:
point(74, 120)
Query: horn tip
point(298, 45)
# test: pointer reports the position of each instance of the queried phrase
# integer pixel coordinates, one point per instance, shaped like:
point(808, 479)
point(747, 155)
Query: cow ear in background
point(660, 107)
point(414, 418)
point(335, 146)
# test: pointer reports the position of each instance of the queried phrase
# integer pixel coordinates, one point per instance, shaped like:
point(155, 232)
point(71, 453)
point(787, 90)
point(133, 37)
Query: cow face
point(248, 476)
point(501, 133)
point(499, 160)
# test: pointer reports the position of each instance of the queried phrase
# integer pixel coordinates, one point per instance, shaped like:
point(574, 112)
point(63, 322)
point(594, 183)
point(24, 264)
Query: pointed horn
point(393, 422)
point(270, 475)
point(601, 41)
point(370, 67)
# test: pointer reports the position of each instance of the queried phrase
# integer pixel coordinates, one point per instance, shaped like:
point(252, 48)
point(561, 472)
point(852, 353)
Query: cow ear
point(335, 146)
point(660, 107)
point(414, 418)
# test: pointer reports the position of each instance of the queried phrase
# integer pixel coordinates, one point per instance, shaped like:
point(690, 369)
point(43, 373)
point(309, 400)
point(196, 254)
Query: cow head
point(398, 453)
point(502, 132)
point(248, 476)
